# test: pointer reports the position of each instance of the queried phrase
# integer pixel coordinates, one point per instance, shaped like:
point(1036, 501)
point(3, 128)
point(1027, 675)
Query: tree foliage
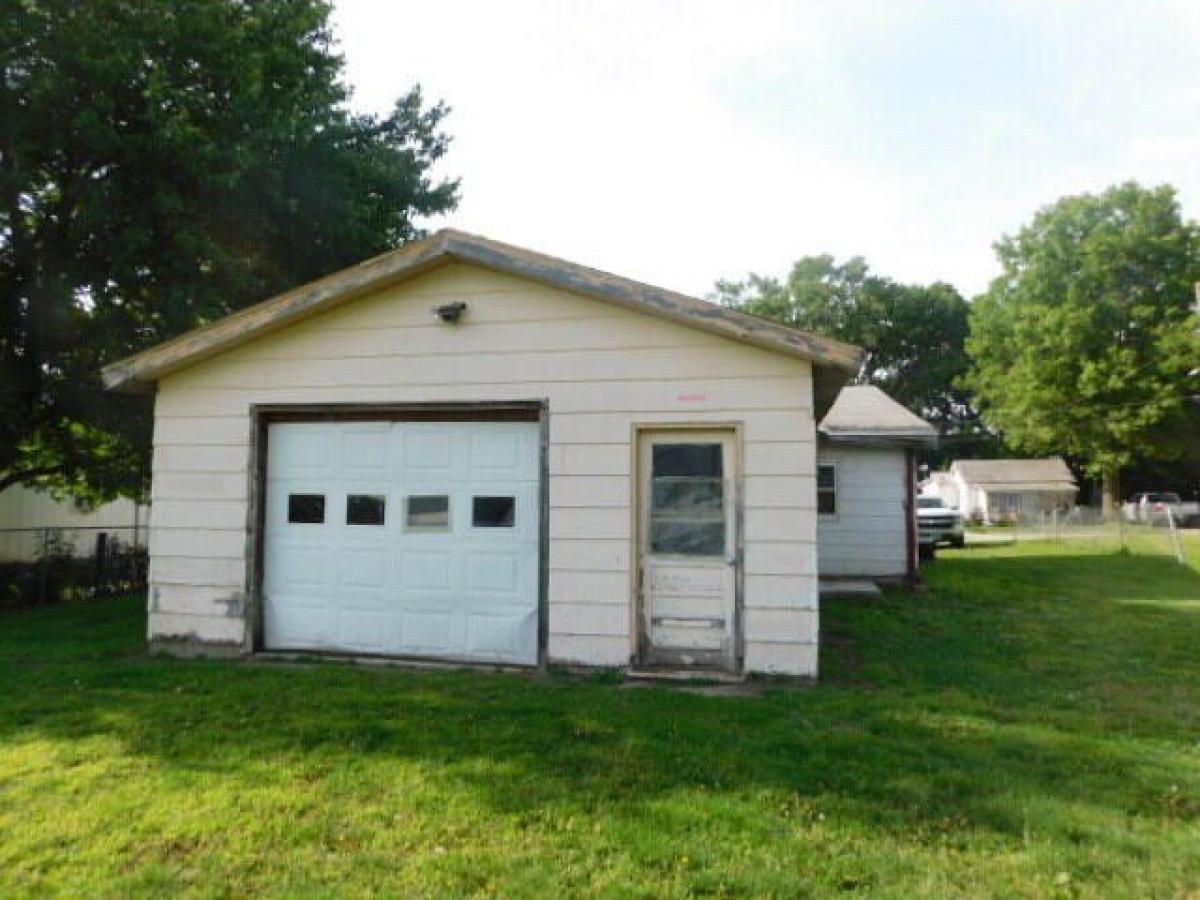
point(913, 334)
point(162, 164)
point(1087, 342)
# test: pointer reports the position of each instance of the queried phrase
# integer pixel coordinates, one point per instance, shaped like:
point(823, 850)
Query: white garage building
point(466, 451)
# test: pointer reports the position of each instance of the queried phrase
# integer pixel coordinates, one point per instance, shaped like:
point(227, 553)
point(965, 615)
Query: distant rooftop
point(1017, 474)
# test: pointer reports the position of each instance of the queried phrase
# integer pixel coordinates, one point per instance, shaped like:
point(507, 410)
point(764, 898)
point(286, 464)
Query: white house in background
point(866, 485)
point(466, 451)
point(28, 515)
point(1004, 490)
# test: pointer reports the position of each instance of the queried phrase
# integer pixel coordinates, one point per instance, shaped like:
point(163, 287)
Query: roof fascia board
point(881, 438)
point(140, 371)
point(143, 369)
point(644, 298)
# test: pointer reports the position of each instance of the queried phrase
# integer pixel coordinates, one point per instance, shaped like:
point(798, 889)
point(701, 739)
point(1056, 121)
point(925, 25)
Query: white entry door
point(403, 539)
point(687, 491)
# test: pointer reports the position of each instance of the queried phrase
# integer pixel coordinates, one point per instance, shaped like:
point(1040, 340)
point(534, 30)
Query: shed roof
point(143, 369)
point(863, 411)
point(1049, 474)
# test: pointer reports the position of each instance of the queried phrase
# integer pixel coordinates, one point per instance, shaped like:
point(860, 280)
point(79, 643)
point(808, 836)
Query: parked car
point(1153, 507)
point(938, 523)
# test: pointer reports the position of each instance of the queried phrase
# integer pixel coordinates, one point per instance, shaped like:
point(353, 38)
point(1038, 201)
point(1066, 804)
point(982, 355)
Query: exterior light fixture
point(450, 313)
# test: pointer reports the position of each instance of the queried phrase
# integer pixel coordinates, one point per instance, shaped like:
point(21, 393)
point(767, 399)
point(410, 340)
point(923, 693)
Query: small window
point(306, 509)
point(428, 512)
point(493, 512)
point(365, 509)
point(826, 490)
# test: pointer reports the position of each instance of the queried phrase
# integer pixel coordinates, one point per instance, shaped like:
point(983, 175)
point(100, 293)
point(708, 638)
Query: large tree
point(1087, 344)
point(162, 164)
point(913, 334)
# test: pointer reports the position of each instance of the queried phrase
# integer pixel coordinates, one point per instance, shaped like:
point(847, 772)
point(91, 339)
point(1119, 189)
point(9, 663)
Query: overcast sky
point(681, 142)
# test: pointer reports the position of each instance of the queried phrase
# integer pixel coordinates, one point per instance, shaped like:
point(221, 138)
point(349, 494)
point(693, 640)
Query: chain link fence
point(1160, 535)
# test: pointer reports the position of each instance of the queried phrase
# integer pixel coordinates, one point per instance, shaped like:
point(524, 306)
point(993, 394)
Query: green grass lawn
point(1029, 726)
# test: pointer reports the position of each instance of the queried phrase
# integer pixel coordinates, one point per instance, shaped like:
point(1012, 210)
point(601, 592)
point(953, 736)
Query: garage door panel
point(353, 602)
point(426, 571)
point(429, 633)
point(298, 448)
point(363, 631)
point(497, 455)
point(493, 572)
point(302, 567)
point(502, 637)
point(366, 451)
point(430, 454)
point(451, 581)
point(293, 624)
point(363, 568)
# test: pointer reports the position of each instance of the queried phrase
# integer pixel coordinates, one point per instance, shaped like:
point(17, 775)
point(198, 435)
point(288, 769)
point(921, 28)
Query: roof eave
point(641, 297)
point(882, 436)
point(142, 370)
point(139, 372)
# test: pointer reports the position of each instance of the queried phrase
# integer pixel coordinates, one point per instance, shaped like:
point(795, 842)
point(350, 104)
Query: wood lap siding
point(602, 369)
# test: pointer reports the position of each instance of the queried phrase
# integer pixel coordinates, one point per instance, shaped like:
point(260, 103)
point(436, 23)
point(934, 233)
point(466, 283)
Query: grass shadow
point(1011, 685)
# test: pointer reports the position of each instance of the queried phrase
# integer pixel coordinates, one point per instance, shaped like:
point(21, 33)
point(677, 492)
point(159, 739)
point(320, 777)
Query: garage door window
point(365, 509)
point(427, 512)
point(306, 509)
point(493, 512)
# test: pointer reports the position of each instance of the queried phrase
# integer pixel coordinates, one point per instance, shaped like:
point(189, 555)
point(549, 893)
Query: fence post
point(100, 563)
point(43, 564)
point(1175, 536)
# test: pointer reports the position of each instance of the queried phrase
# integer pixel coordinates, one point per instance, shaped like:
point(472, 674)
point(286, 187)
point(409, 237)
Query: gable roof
point(863, 411)
point(1049, 474)
point(446, 246)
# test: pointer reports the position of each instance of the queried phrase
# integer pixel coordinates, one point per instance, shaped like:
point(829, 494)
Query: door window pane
point(428, 512)
point(493, 512)
point(688, 497)
point(687, 538)
point(306, 509)
point(681, 460)
point(365, 509)
point(687, 500)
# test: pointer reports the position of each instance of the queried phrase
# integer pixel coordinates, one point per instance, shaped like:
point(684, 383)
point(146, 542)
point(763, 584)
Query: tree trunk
point(1111, 501)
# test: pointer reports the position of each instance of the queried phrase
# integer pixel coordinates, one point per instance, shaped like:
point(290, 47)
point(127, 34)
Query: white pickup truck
point(937, 523)
point(1152, 508)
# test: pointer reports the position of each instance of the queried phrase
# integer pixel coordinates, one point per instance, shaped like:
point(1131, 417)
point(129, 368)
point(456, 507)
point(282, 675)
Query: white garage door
point(405, 539)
